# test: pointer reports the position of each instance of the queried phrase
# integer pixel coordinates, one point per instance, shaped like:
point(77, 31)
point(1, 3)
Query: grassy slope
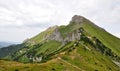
point(65, 30)
point(52, 65)
point(39, 38)
point(89, 60)
point(48, 47)
point(77, 59)
point(106, 38)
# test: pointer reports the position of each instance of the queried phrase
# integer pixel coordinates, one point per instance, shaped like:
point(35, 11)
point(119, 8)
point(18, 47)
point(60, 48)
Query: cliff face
point(75, 35)
point(55, 35)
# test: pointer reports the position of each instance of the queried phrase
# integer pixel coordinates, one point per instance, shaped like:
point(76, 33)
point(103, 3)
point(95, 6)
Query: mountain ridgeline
point(79, 46)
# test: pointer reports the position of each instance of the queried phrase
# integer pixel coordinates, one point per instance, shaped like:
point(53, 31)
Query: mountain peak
point(77, 19)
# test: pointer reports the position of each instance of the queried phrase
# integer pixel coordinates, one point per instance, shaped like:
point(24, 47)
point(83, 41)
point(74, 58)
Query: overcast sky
point(22, 19)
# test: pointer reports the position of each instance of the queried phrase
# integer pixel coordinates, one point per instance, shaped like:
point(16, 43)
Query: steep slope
point(80, 45)
point(106, 38)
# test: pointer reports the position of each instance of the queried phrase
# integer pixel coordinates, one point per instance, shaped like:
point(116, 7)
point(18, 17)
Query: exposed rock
point(87, 48)
point(37, 59)
point(77, 19)
point(56, 35)
point(75, 35)
point(117, 63)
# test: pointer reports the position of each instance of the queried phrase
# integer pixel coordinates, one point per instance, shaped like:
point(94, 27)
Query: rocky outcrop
point(75, 35)
point(55, 35)
point(77, 19)
point(37, 59)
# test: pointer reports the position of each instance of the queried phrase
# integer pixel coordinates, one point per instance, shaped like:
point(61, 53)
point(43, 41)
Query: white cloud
point(21, 16)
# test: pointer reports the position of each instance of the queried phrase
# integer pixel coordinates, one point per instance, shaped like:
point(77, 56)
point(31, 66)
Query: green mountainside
point(79, 46)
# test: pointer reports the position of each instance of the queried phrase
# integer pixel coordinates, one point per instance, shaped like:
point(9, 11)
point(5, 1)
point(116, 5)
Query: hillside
point(79, 46)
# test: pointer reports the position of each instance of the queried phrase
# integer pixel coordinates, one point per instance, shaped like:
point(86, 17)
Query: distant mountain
point(79, 46)
point(5, 44)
